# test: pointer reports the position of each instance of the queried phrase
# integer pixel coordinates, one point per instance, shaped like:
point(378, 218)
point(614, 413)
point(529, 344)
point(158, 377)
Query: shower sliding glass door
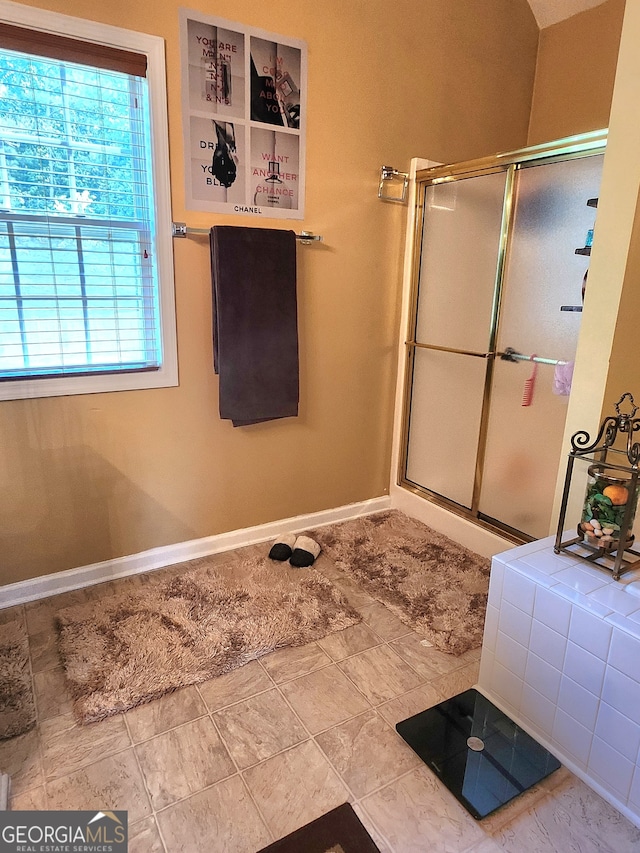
point(496, 270)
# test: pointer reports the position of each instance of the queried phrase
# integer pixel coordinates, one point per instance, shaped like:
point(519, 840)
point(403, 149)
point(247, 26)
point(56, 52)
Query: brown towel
point(255, 328)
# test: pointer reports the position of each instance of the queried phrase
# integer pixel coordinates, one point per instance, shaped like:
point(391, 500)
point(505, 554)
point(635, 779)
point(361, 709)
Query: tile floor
point(232, 764)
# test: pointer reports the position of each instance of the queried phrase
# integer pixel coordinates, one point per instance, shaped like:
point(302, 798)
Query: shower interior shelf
point(586, 250)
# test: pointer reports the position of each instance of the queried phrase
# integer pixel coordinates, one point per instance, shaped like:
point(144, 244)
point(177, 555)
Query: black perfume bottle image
point(224, 164)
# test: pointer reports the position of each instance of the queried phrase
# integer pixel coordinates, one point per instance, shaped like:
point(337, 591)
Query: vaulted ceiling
point(549, 12)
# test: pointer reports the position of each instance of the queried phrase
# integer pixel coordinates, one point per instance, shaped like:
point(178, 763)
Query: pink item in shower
point(529, 385)
point(562, 378)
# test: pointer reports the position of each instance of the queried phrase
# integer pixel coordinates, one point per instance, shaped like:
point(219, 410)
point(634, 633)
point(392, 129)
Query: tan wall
point(623, 218)
point(624, 363)
point(575, 73)
point(84, 479)
point(607, 362)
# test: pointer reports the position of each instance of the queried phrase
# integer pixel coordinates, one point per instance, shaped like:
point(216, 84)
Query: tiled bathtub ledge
point(561, 655)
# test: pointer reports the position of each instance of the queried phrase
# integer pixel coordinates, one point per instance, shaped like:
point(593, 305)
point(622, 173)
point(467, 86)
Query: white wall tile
point(624, 654)
point(616, 599)
point(553, 610)
point(585, 668)
point(634, 793)
point(590, 632)
point(527, 549)
point(542, 677)
point(548, 562)
point(506, 685)
point(612, 767)
point(618, 731)
point(511, 655)
point(518, 590)
point(583, 580)
point(571, 737)
point(491, 620)
point(578, 702)
point(514, 623)
point(547, 644)
point(485, 676)
point(539, 578)
point(539, 710)
point(496, 578)
point(622, 692)
point(628, 624)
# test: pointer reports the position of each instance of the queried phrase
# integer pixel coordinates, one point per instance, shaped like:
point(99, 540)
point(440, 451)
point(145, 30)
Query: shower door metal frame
point(584, 145)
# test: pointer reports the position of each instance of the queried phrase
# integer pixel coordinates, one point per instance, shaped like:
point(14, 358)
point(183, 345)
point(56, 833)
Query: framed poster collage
point(244, 118)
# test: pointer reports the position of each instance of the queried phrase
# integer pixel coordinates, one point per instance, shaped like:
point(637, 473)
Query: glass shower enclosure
point(501, 252)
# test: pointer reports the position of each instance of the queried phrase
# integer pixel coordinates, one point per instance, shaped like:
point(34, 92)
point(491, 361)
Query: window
point(86, 290)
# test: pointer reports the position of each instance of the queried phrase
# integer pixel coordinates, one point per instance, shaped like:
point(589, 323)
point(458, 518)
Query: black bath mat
point(338, 831)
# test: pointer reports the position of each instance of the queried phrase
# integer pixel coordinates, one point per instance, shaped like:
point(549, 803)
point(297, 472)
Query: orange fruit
point(618, 495)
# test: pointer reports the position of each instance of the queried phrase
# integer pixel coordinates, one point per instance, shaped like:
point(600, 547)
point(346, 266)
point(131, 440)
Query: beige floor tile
point(367, 753)
point(324, 698)
point(409, 704)
point(510, 812)
point(20, 757)
point(220, 818)
point(68, 746)
point(13, 614)
point(40, 614)
point(259, 727)
point(51, 694)
point(573, 818)
point(292, 662)
point(472, 655)
point(366, 821)
point(419, 656)
point(183, 761)
point(380, 674)
point(33, 800)
point(43, 648)
point(410, 648)
point(112, 783)
point(385, 623)
point(295, 787)
point(416, 813)
point(562, 777)
point(354, 593)
point(457, 681)
point(349, 642)
point(165, 713)
point(488, 845)
point(144, 837)
point(240, 684)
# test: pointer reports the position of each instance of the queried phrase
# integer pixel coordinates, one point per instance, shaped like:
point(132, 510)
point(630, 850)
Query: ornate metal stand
point(615, 555)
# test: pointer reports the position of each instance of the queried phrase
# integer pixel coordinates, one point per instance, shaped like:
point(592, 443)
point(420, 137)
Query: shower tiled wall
point(561, 655)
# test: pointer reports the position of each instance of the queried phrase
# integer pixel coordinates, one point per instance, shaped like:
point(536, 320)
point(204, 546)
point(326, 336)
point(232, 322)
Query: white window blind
point(78, 275)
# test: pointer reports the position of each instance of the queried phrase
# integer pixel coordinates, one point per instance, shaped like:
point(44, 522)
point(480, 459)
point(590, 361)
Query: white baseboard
point(459, 529)
point(157, 558)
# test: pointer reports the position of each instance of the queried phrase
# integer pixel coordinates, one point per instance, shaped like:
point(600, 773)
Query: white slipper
point(305, 551)
point(282, 548)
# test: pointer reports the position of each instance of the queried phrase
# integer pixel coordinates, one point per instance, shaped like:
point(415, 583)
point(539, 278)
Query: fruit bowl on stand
point(607, 499)
point(605, 536)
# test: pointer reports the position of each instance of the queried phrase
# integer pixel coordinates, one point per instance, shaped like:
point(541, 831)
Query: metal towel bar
point(180, 229)
point(511, 355)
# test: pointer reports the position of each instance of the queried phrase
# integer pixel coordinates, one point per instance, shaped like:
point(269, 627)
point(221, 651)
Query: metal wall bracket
point(393, 185)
